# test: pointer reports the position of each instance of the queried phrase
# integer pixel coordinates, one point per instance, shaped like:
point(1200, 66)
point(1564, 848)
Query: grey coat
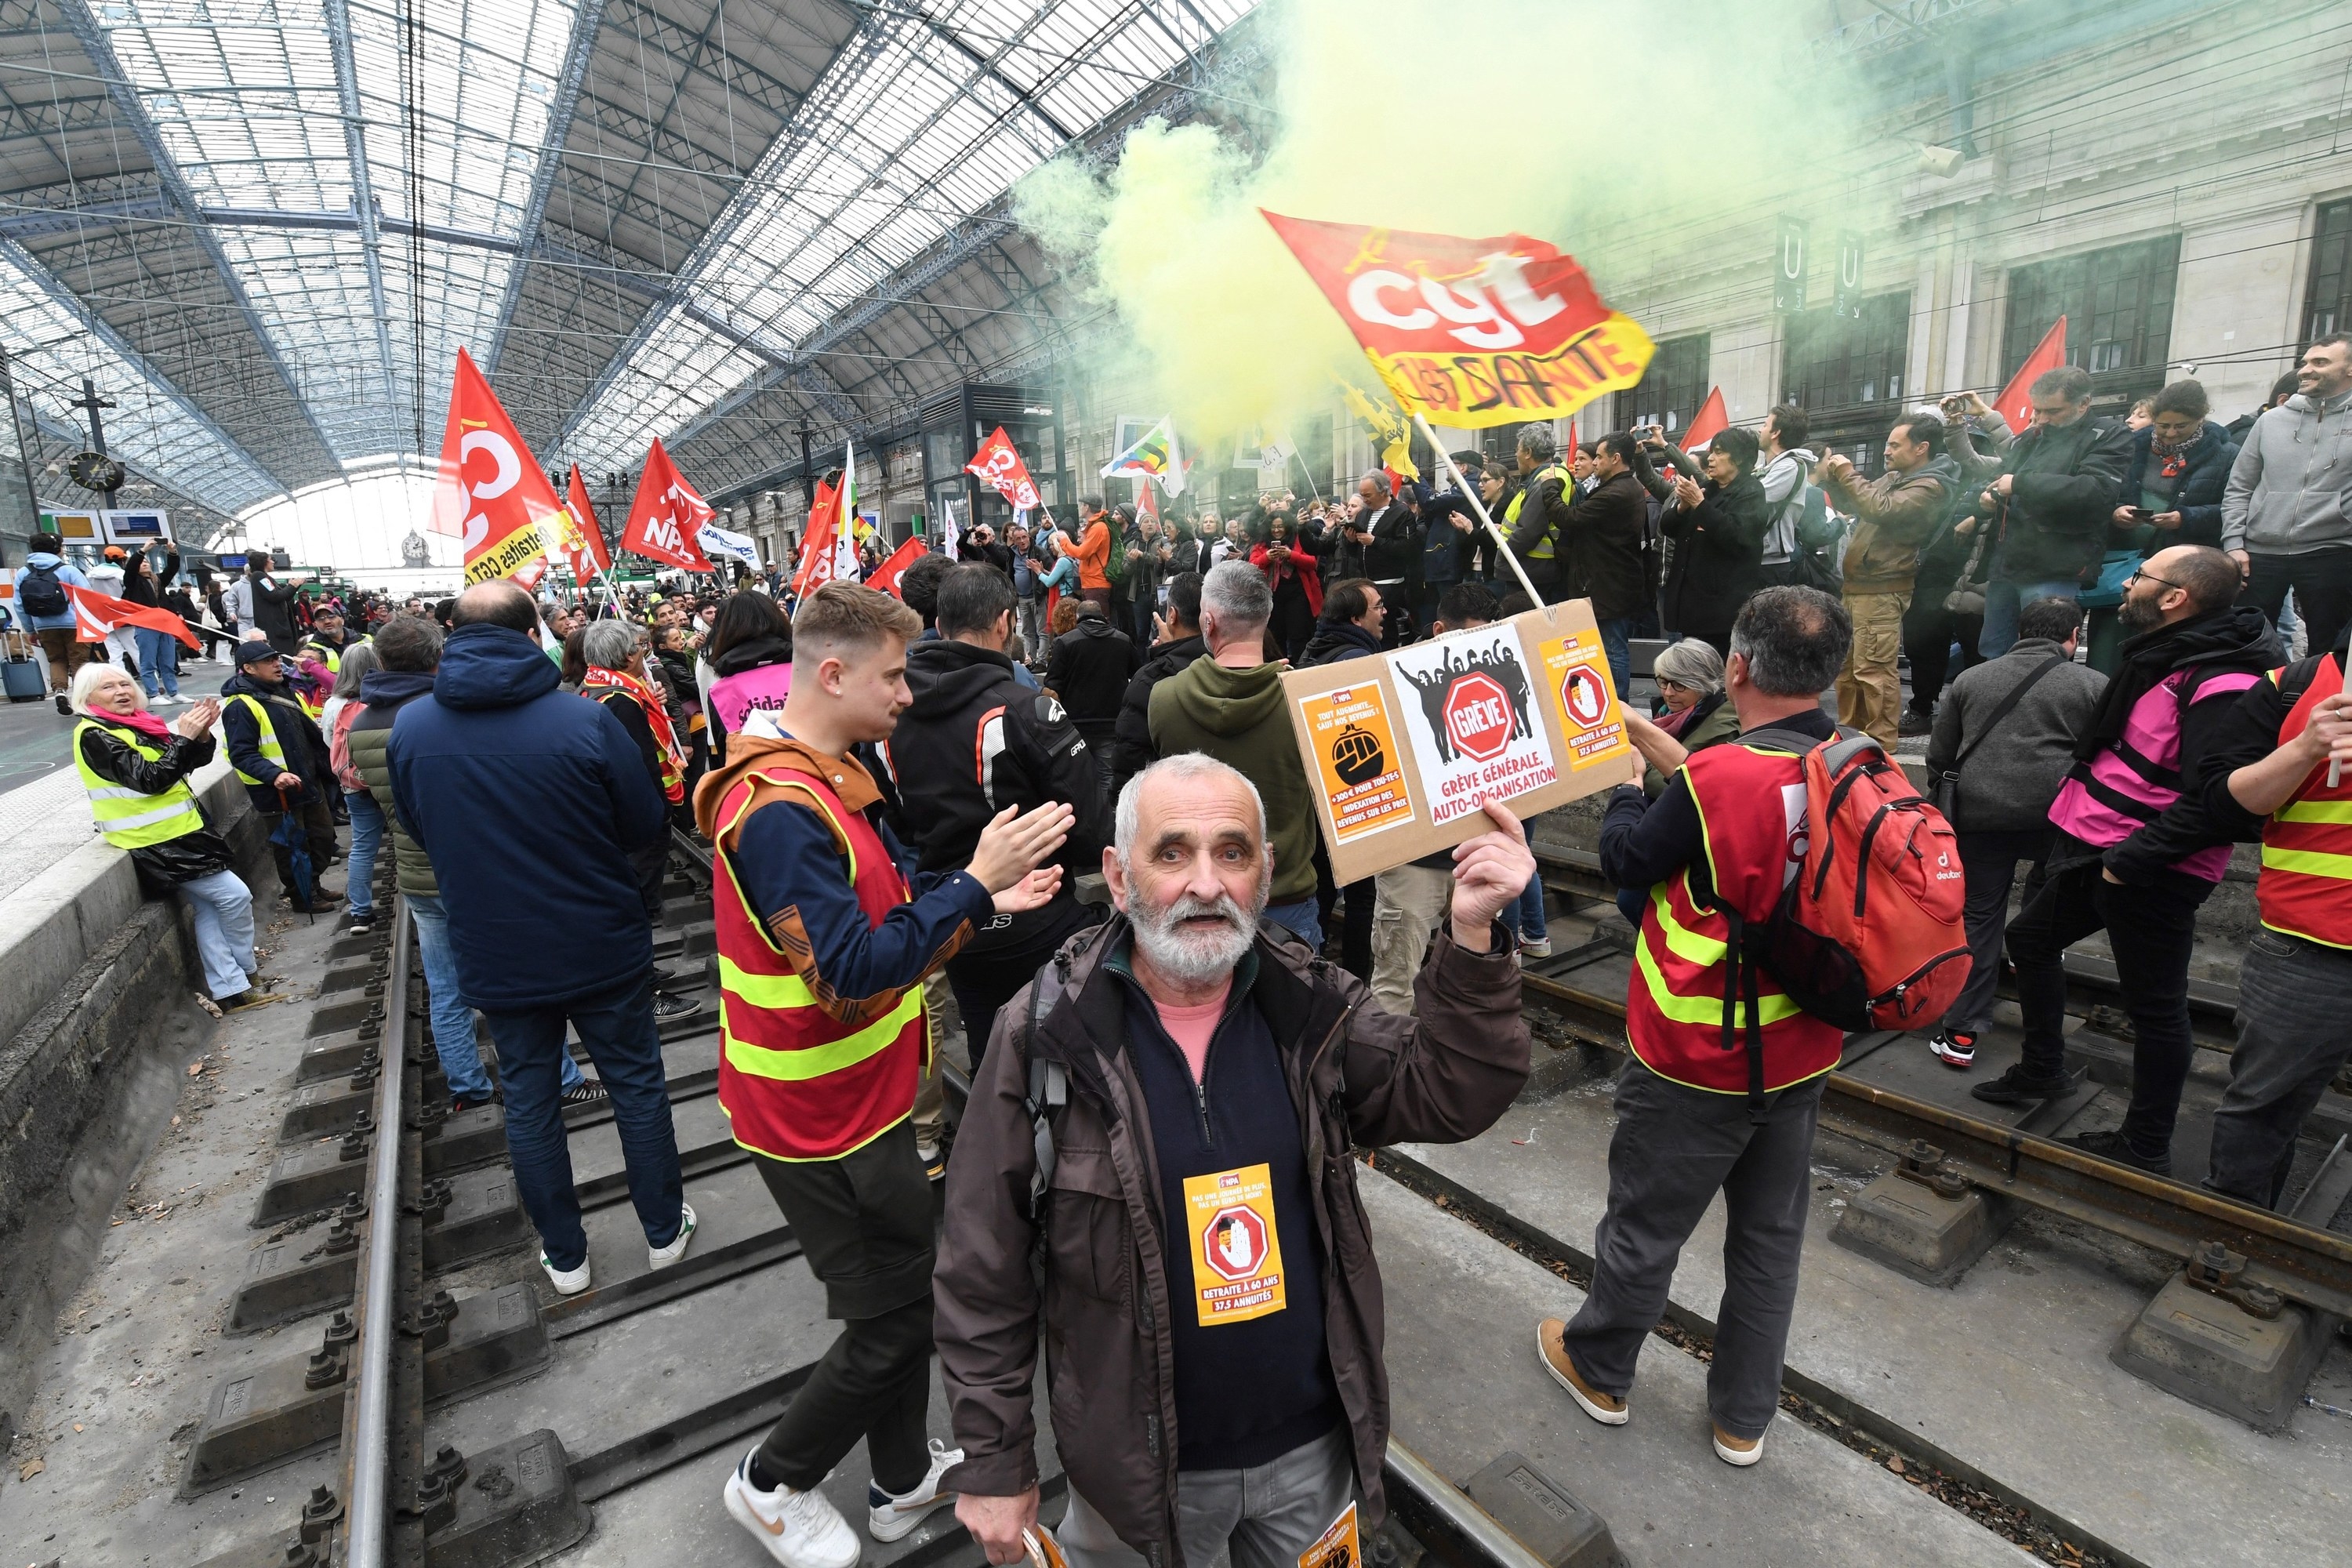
point(2289, 490)
point(2009, 782)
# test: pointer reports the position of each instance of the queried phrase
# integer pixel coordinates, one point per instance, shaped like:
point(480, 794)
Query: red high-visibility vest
point(1751, 805)
point(797, 1083)
point(2305, 889)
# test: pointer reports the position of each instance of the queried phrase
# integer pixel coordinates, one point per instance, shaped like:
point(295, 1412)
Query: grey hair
point(609, 645)
point(1185, 767)
point(86, 679)
point(1536, 442)
point(1692, 664)
point(355, 662)
point(1380, 479)
point(1237, 594)
point(1794, 640)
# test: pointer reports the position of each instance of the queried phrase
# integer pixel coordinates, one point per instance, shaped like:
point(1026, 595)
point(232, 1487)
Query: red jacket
point(1301, 565)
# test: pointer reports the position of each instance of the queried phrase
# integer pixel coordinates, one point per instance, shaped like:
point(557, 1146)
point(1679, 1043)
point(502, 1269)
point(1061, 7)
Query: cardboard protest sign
point(1402, 749)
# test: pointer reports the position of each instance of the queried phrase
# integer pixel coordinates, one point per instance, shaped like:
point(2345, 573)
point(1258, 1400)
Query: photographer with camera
point(1717, 525)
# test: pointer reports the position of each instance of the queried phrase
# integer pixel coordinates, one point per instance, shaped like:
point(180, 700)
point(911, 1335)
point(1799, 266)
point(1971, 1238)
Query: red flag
point(1147, 499)
point(583, 536)
point(95, 614)
point(818, 541)
point(491, 491)
point(894, 567)
point(1571, 441)
point(1710, 421)
point(1000, 467)
point(666, 515)
point(2015, 402)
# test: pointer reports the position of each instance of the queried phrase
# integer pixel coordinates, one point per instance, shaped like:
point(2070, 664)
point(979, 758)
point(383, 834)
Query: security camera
point(1942, 162)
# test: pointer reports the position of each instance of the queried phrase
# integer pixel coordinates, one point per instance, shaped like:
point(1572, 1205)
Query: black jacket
point(2061, 497)
point(1718, 551)
point(1337, 640)
point(1604, 547)
point(1393, 555)
point(1131, 750)
point(297, 737)
point(273, 611)
point(1088, 670)
point(161, 867)
point(2196, 495)
point(973, 742)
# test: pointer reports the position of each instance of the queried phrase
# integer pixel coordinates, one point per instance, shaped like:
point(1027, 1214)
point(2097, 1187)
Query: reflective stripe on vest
point(797, 1083)
point(2307, 842)
point(271, 752)
point(1541, 549)
point(1673, 1007)
point(131, 818)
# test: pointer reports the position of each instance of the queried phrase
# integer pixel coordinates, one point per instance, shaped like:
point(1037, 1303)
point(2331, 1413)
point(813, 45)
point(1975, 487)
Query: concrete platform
point(2007, 1371)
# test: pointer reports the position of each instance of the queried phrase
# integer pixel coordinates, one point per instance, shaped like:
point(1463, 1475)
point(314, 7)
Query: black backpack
point(42, 593)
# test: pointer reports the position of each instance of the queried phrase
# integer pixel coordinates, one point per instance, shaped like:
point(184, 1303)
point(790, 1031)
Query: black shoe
point(2018, 1087)
point(1915, 722)
point(64, 707)
point(587, 1091)
point(460, 1102)
point(362, 924)
point(668, 1007)
point(2113, 1145)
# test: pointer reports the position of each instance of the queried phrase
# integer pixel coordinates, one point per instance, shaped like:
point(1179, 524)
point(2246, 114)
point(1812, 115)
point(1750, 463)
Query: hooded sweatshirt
point(2288, 490)
point(1239, 717)
point(1784, 479)
point(61, 622)
point(500, 774)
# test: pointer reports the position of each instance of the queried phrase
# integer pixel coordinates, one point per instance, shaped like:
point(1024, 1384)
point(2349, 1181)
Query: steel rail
point(2301, 1262)
point(1445, 1518)
point(368, 1438)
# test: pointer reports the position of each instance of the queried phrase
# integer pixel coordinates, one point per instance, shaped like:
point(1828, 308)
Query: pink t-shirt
point(1191, 1027)
point(734, 697)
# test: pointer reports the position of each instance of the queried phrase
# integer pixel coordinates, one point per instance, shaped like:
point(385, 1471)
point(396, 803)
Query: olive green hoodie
point(1238, 717)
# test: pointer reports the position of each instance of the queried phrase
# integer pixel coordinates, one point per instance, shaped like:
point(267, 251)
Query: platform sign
point(1405, 747)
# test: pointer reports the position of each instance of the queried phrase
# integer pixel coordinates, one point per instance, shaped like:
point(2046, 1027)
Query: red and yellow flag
point(491, 491)
point(582, 537)
point(1471, 333)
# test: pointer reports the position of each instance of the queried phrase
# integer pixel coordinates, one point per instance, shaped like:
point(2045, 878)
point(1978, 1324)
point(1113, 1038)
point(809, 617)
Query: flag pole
point(1476, 505)
point(1290, 441)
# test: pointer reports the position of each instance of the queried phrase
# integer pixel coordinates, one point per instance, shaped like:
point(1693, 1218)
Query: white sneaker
point(663, 1256)
point(1740, 1451)
point(568, 1281)
point(890, 1517)
point(1539, 948)
point(800, 1530)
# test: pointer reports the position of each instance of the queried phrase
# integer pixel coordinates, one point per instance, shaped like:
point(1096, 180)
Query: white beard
point(1195, 957)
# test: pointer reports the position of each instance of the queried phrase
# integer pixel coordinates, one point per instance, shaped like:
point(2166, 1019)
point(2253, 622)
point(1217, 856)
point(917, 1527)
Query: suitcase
point(23, 679)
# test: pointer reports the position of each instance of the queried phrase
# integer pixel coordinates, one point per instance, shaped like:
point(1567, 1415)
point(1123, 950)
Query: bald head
point(497, 603)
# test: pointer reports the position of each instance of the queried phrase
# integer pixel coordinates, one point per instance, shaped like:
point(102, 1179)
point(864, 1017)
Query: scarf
point(673, 767)
point(2234, 638)
point(139, 718)
point(2173, 460)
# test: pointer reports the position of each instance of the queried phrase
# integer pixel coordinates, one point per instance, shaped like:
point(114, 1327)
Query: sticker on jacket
point(1336, 1547)
point(1236, 1253)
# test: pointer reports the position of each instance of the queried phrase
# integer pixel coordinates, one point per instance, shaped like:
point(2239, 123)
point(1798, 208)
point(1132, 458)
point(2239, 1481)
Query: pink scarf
point(139, 718)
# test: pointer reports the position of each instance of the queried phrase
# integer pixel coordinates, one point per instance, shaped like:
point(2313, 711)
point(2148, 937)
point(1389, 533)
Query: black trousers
point(318, 833)
point(984, 982)
point(2151, 931)
point(2321, 581)
point(1928, 633)
point(864, 1223)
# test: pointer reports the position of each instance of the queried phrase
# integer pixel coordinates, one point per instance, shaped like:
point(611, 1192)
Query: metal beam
point(95, 43)
point(347, 92)
point(550, 162)
point(96, 326)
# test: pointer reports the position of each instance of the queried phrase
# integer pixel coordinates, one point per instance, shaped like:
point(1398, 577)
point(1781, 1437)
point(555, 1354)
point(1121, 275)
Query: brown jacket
point(1894, 515)
point(1359, 1075)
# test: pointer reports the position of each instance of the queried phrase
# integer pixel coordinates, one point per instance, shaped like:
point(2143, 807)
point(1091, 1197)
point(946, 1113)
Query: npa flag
point(1710, 421)
point(886, 576)
point(999, 466)
point(582, 536)
point(2016, 401)
point(1471, 333)
point(1155, 456)
point(490, 490)
point(95, 614)
point(665, 515)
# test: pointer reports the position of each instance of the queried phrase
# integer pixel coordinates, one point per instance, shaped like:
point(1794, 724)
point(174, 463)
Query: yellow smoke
point(1637, 138)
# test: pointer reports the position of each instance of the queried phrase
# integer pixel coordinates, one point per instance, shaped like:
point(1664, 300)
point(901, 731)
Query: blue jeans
point(2003, 601)
point(1525, 917)
point(1616, 640)
point(367, 836)
point(453, 1021)
point(222, 907)
point(155, 658)
point(1302, 917)
point(618, 1029)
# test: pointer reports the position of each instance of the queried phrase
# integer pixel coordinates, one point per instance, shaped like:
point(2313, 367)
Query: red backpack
point(1868, 935)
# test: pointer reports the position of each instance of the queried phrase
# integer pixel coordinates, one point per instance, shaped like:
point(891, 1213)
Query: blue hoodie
point(526, 800)
point(65, 573)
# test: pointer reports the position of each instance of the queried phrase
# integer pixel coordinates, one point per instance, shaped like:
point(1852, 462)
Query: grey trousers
point(1410, 903)
point(2294, 1030)
point(1674, 1148)
point(1990, 861)
point(1263, 1517)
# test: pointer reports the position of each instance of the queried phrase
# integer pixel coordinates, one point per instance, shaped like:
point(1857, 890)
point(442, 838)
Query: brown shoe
point(1741, 1451)
point(1551, 1345)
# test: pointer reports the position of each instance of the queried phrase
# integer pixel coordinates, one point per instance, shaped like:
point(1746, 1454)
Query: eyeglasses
point(2153, 578)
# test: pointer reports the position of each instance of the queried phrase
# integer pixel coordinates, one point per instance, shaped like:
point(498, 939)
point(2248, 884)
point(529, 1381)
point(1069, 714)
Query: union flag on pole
point(666, 515)
point(1711, 420)
point(490, 490)
point(998, 464)
point(886, 576)
point(828, 548)
point(582, 537)
point(96, 613)
point(2016, 401)
point(1471, 333)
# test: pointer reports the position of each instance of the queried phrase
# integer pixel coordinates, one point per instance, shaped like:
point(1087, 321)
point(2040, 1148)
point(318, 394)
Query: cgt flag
point(665, 516)
point(489, 490)
point(998, 465)
point(886, 576)
point(580, 535)
point(2016, 401)
point(95, 614)
point(1471, 333)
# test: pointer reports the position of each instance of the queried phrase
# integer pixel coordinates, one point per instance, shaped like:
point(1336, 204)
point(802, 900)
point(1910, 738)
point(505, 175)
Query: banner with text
point(491, 491)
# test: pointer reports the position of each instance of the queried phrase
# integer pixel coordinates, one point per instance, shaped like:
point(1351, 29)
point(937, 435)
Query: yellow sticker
point(1335, 1547)
point(1236, 1254)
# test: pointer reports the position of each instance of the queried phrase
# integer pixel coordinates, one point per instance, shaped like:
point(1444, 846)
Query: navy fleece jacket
point(526, 800)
